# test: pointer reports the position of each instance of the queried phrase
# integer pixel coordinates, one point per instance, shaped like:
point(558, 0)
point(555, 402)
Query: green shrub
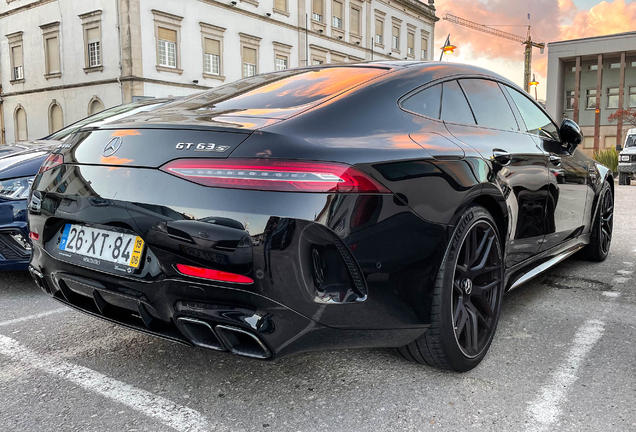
point(607, 157)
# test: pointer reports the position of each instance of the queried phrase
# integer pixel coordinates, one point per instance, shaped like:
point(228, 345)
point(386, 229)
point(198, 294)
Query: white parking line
point(32, 317)
point(546, 410)
point(176, 416)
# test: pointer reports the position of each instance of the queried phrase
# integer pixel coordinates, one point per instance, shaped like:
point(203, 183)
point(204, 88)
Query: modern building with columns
point(61, 60)
point(589, 79)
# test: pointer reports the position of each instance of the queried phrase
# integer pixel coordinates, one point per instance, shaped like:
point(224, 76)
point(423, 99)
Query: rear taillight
point(50, 162)
point(275, 175)
point(215, 275)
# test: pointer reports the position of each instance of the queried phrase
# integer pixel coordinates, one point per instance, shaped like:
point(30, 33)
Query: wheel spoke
point(484, 256)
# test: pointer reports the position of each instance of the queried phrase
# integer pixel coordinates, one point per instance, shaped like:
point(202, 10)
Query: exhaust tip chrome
point(199, 333)
point(242, 342)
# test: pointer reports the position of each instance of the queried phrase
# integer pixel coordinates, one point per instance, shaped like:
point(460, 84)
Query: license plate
point(115, 247)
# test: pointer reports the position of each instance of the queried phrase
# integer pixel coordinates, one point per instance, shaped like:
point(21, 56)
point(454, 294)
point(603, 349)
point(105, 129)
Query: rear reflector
point(275, 175)
point(215, 275)
point(34, 236)
point(50, 162)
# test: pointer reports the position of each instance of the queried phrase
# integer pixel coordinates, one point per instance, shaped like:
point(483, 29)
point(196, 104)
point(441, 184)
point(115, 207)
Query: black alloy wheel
point(602, 227)
point(467, 297)
point(476, 289)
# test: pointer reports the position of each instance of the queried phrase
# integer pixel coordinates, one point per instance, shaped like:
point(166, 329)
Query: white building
point(61, 60)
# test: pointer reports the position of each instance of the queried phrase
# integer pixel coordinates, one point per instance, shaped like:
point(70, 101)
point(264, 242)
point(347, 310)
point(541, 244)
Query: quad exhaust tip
point(223, 337)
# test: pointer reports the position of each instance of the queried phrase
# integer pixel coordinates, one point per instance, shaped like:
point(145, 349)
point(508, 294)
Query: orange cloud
point(552, 20)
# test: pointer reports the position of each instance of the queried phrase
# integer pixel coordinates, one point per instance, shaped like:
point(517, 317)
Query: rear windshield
point(283, 90)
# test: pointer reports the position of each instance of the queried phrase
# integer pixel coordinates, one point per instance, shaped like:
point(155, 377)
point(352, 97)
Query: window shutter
point(318, 7)
point(337, 9)
point(280, 5)
point(355, 21)
point(378, 27)
point(396, 31)
point(212, 47)
point(92, 35)
point(53, 53)
point(57, 119)
point(410, 40)
point(167, 35)
point(249, 55)
point(17, 56)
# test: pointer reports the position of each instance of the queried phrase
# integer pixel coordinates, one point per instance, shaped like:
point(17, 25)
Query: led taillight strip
point(275, 175)
point(215, 275)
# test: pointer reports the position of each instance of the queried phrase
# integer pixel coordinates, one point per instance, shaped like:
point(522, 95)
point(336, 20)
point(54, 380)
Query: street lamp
point(448, 48)
point(534, 83)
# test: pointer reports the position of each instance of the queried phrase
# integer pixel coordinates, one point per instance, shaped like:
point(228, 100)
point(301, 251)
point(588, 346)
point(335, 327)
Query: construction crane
point(528, 42)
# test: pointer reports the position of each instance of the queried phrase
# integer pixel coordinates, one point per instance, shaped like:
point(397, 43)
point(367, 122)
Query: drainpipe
point(121, 70)
point(2, 140)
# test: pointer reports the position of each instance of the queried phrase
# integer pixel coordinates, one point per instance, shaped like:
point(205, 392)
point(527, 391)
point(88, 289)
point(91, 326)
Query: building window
point(316, 62)
point(632, 64)
point(424, 53)
point(168, 34)
point(167, 48)
point(56, 117)
point(395, 40)
point(592, 67)
point(354, 17)
point(588, 142)
point(632, 97)
point(212, 56)
point(92, 25)
point(336, 12)
point(317, 10)
point(610, 142)
point(590, 96)
point(280, 5)
point(18, 67)
point(614, 65)
point(281, 63)
point(612, 98)
point(379, 32)
point(20, 124)
point(249, 62)
point(95, 106)
point(51, 36)
point(16, 57)
point(570, 69)
point(569, 100)
point(410, 44)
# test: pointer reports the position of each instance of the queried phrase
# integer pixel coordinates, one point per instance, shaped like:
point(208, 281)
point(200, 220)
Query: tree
point(628, 116)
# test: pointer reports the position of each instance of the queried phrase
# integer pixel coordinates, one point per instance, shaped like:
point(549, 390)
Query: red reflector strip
point(215, 275)
point(275, 175)
point(34, 236)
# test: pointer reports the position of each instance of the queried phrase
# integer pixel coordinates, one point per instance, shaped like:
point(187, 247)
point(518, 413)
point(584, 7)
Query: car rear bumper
point(328, 271)
point(14, 256)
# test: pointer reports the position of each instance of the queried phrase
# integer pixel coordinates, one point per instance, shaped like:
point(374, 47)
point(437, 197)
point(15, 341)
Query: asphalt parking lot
point(564, 358)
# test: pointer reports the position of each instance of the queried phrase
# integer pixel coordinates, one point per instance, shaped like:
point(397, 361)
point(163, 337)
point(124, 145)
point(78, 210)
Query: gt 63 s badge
point(207, 147)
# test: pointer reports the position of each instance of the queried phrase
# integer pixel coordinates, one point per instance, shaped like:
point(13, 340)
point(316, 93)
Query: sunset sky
point(552, 20)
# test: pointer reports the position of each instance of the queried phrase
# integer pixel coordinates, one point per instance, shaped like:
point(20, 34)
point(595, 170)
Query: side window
point(426, 102)
point(454, 104)
point(489, 104)
point(536, 121)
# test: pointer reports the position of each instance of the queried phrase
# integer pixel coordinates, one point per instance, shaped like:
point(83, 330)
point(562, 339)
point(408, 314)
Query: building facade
point(589, 79)
point(61, 60)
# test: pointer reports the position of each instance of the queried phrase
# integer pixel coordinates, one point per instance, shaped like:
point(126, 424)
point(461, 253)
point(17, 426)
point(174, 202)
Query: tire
point(468, 292)
point(602, 227)
point(622, 178)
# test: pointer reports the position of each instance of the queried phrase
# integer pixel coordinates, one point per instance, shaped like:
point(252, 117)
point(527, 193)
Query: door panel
point(524, 182)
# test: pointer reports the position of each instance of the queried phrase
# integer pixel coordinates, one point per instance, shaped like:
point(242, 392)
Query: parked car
point(20, 162)
point(385, 204)
point(627, 159)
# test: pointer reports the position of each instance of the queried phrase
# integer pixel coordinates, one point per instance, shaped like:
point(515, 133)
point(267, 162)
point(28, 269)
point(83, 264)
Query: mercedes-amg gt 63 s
point(386, 204)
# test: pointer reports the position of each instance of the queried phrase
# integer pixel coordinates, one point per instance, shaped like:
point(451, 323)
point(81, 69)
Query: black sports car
point(384, 204)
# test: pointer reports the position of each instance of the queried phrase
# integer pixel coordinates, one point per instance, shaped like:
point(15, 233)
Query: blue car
point(19, 164)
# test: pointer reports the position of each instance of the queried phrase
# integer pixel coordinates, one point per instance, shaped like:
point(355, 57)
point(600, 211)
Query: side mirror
point(570, 133)
point(619, 148)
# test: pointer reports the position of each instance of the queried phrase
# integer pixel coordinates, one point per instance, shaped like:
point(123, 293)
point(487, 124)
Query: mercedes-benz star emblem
point(112, 146)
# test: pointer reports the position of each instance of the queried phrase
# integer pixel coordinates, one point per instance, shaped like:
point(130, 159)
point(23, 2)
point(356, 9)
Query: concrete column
point(599, 98)
point(621, 98)
point(131, 61)
point(577, 90)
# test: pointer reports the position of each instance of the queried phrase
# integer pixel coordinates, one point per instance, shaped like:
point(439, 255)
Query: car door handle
point(555, 160)
point(502, 157)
